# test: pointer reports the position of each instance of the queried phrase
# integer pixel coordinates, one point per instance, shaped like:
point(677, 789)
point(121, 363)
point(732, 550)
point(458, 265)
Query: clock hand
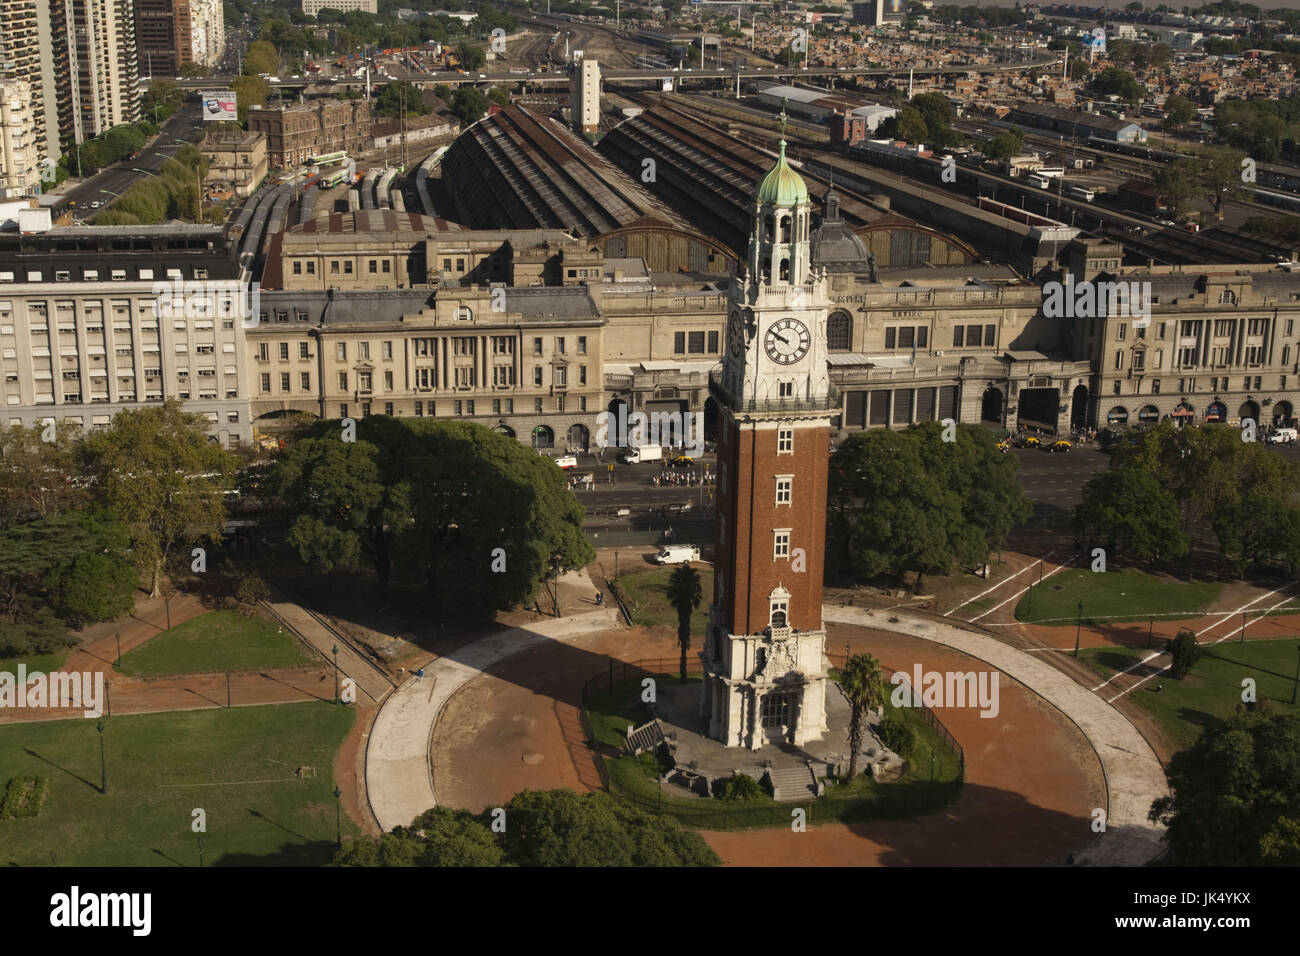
point(781, 338)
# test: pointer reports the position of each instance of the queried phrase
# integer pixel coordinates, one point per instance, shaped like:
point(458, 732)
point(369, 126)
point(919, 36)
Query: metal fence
point(892, 800)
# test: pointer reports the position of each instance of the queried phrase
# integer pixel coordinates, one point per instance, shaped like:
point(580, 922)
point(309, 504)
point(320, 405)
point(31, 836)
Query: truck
point(636, 456)
point(677, 554)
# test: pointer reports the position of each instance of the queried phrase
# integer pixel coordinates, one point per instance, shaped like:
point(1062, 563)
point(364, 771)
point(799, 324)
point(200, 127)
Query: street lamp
point(338, 817)
point(118, 635)
point(1295, 681)
point(336, 673)
point(1078, 623)
point(103, 767)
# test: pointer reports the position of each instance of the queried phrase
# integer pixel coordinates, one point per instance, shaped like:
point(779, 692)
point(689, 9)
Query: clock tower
point(765, 668)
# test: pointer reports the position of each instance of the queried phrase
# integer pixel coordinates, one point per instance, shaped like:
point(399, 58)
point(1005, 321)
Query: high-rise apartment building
point(170, 33)
point(101, 74)
point(27, 53)
point(20, 161)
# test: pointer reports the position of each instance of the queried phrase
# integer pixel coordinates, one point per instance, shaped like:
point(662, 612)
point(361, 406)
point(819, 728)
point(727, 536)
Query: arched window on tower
point(785, 228)
point(778, 607)
point(767, 273)
point(785, 270)
point(839, 331)
point(768, 227)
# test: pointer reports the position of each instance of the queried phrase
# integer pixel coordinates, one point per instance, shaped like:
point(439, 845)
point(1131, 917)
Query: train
point(1286, 201)
point(1137, 150)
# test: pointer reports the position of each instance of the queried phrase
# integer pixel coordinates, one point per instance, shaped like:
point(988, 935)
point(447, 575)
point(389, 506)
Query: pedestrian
point(600, 598)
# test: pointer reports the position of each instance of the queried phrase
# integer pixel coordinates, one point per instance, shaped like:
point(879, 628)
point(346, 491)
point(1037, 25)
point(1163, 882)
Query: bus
point(1041, 182)
point(327, 159)
point(1080, 192)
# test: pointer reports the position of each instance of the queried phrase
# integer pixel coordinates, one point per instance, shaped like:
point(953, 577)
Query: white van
point(678, 554)
point(1283, 436)
point(567, 462)
point(645, 453)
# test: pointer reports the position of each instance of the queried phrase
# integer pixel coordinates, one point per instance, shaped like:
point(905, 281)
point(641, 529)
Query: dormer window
point(779, 608)
point(1227, 297)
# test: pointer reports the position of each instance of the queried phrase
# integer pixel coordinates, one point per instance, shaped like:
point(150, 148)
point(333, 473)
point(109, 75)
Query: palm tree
point(864, 686)
point(684, 594)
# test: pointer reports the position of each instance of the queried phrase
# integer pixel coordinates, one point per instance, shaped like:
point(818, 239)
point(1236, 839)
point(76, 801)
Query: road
point(184, 126)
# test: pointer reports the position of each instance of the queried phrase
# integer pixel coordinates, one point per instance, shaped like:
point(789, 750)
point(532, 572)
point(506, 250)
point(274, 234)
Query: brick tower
point(764, 654)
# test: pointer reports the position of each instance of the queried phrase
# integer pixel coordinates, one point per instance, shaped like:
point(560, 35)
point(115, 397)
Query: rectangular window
point(343, 411)
point(510, 406)
point(972, 336)
point(1161, 330)
point(957, 336)
point(582, 345)
point(582, 375)
point(559, 345)
point(781, 544)
point(537, 406)
point(1139, 361)
point(1286, 354)
point(537, 375)
point(365, 350)
point(388, 381)
point(266, 383)
point(1119, 360)
point(922, 336)
point(374, 267)
point(695, 343)
point(537, 346)
point(890, 337)
point(1155, 386)
point(419, 409)
point(347, 271)
point(906, 337)
point(458, 407)
point(561, 376)
point(304, 380)
point(297, 267)
point(783, 484)
point(1121, 331)
point(785, 441)
point(713, 342)
point(302, 350)
point(679, 343)
point(341, 351)
point(388, 268)
point(388, 409)
point(785, 389)
point(284, 381)
point(263, 351)
point(496, 406)
point(343, 381)
point(284, 351)
point(388, 350)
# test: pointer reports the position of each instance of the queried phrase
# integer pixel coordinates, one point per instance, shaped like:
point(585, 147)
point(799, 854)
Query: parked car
point(1061, 445)
point(1028, 441)
point(681, 461)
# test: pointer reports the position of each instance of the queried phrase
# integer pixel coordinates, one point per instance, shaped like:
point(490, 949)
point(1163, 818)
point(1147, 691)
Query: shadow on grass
point(315, 853)
point(262, 816)
point(73, 774)
point(169, 859)
point(1199, 718)
point(1114, 660)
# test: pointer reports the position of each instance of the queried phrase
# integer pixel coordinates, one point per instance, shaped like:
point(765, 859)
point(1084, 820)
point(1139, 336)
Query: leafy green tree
point(261, 57)
point(250, 90)
point(159, 472)
point(908, 125)
point(1179, 111)
point(38, 478)
point(1005, 145)
point(437, 837)
point(864, 687)
point(1236, 795)
point(897, 734)
point(739, 786)
point(1178, 184)
point(499, 96)
point(471, 57)
point(1184, 652)
point(1126, 511)
point(563, 828)
point(938, 112)
point(1220, 178)
point(1113, 81)
point(468, 104)
point(1259, 532)
point(389, 100)
point(684, 594)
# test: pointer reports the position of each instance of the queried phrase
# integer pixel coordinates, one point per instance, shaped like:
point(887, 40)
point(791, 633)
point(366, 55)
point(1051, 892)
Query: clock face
point(735, 333)
point(787, 341)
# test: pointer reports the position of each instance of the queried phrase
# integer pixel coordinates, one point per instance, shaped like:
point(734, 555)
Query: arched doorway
point(579, 437)
point(1282, 414)
point(1117, 416)
point(991, 406)
point(1183, 414)
point(1148, 415)
point(1079, 407)
point(616, 429)
point(1217, 412)
point(503, 429)
point(1249, 410)
point(543, 437)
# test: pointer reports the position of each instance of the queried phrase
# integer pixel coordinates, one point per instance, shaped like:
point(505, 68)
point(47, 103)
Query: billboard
point(1096, 40)
point(219, 105)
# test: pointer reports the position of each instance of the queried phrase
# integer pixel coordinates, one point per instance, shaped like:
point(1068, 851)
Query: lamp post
point(1243, 628)
point(336, 673)
point(1078, 623)
point(199, 837)
point(103, 767)
point(118, 635)
point(1295, 681)
point(338, 817)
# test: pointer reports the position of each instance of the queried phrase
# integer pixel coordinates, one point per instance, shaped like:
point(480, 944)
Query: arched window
point(778, 607)
point(464, 313)
point(785, 228)
point(768, 228)
point(1227, 297)
point(839, 331)
point(785, 270)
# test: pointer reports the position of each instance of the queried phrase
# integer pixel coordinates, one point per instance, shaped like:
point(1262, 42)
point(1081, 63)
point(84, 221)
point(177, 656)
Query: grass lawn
point(1211, 692)
point(36, 663)
point(645, 593)
point(635, 778)
point(238, 765)
point(216, 641)
point(1125, 595)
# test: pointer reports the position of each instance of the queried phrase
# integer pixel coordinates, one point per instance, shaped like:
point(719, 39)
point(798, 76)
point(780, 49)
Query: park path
point(399, 768)
point(1134, 775)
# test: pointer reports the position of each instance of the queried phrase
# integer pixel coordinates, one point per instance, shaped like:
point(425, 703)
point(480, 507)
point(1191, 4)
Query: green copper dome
point(782, 186)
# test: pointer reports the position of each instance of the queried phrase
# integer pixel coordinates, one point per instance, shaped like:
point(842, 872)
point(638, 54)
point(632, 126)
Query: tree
point(1126, 510)
point(684, 594)
point(471, 57)
point(1220, 177)
point(391, 96)
point(38, 478)
point(1005, 145)
point(864, 687)
point(1236, 794)
point(437, 837)
point(563, 828)
point(469, 104)
point(937, 111)
point(908, 125)
point(1184, 652)
point(1258, 532)
point(250, 90)
point(1113, 81)
point(261, 57)
point(157, 470)
point(1177, 183)
point(1179, 111)
point(499, 96)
